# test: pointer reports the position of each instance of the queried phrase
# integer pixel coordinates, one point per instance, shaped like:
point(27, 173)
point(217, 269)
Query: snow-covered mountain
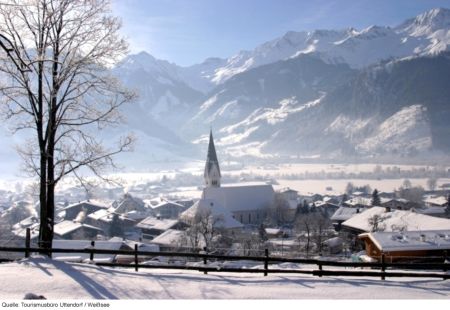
point(330, 92)
point(428, 33)
point(305, 106)
point(273, 99)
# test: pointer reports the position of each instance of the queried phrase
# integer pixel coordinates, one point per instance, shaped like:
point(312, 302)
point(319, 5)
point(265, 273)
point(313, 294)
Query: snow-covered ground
point(60, 280)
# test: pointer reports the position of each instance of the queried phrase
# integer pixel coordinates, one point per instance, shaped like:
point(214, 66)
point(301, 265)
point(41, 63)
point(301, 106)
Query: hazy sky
point(189, 31)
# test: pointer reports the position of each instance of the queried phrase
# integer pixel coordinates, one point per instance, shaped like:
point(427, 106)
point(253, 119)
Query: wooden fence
point(378, 269)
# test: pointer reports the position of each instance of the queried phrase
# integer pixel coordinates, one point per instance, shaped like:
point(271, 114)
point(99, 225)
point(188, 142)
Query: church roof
point(241, 197)
point(211, 158)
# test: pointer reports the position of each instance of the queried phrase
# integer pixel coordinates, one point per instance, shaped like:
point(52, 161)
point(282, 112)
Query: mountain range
point(375, 92)
point(378, 91)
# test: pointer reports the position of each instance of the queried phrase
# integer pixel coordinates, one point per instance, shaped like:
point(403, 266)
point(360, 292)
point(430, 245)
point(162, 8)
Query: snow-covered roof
point(165, 203)
point(437, 201)
point(83, 244)
point(344, 213)
point(129, 203)
point(396, 220)
point(94, 203)
point(213, 208)
point(102, 214)
point(155, 223)
point(141, 245)
point(25, 223)
point(410, 240)
point(287, 190)
point(243, 197)
point(22, 232)
point(169, 237)
point(334, 242)
point(273, 231)
point(66, 227)
point(359, 201)
point(432, 210)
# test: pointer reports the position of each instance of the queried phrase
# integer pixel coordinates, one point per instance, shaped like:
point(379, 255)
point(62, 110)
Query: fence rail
point(379, 269)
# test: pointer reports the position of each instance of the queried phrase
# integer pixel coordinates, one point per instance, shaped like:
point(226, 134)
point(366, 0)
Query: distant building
point(87, 207)
point(152, 227)
point(167, 209)
point(71, 230)
point(247, 202)
point(395, 220)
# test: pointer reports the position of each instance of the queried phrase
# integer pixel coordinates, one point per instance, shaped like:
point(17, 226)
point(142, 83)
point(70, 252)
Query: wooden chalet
point(432, 245)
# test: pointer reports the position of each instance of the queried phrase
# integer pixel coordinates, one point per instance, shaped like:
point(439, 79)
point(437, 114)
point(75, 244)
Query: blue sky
point(189, 31)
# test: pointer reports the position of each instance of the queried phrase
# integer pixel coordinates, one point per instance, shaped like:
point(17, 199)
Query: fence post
point(266, 261)
point(27, 243)
point(445, 262)
point(383, 267)
point(320, 269)
point(205, 260)
point(135, 257)
point(91, 256)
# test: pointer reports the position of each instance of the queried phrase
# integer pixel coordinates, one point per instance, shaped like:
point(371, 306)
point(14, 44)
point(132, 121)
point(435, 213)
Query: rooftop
point(410, 240)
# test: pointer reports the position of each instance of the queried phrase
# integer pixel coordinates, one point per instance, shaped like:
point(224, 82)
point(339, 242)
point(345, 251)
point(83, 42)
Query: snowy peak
point(145, 61)
point(427, 23)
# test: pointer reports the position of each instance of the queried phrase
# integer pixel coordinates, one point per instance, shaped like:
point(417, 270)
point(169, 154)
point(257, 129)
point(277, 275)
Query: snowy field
point(284, 174)
point(60, 280)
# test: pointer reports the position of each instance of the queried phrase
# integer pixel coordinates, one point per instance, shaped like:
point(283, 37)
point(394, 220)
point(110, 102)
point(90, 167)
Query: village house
point(20, 229)
point(170, 240)
point(408, 245)
point(383, 219)
point(398, 204)
point(165, 209)
point(132, 207)
point(342, 214)
point(71, 230)
point(72, 211)
point(440, 201)
point(358, 202)
point(152, 227)
point(326, 208)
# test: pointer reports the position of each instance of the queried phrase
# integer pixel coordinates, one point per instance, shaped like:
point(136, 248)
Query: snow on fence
point(378, 268)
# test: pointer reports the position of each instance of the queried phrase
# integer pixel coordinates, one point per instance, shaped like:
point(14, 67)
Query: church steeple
point(212, 170)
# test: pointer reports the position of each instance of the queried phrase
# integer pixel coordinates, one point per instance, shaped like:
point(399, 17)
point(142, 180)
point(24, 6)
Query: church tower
point(212, 171)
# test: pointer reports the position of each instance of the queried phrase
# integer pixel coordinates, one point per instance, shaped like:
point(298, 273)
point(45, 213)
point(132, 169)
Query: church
point(247, 202)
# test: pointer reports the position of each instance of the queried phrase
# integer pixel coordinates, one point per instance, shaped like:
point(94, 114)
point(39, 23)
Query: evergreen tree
point(375, 198)
point(262, 232)
point(344, 199)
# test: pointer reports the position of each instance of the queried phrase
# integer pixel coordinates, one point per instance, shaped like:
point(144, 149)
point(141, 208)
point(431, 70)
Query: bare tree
point(432, 183)
point(204, 229)
point(67, 94)
point(278, 212)
point(376, 223)
point(314, 229)
point(304, 225)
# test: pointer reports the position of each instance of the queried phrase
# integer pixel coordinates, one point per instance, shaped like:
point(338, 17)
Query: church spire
point(212, 170)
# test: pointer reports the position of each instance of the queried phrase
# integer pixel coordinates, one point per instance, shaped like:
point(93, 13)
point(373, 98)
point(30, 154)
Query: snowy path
point(59, 280)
